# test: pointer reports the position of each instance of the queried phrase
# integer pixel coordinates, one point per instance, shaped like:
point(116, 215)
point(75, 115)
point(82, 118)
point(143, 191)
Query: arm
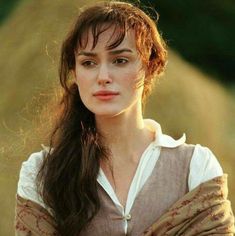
point(203, 167)
point(31, 219)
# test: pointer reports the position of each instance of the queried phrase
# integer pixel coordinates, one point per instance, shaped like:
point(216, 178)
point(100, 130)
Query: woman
point(109, 171)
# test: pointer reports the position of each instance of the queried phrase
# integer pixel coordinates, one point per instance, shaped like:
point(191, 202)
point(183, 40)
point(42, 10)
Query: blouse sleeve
point(27, 178)
point(203, 167)
point(32, 217)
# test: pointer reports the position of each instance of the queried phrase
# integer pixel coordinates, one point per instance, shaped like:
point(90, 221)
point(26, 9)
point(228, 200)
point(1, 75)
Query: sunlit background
point(196, 95)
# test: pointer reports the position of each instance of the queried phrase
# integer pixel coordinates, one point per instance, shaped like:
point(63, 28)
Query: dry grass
point(185, 100)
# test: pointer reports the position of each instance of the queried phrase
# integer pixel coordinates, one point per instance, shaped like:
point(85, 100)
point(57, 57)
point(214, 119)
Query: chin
point(107, 112)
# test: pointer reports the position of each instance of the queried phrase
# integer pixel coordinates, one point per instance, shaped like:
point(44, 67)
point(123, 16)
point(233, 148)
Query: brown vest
point(167, 183)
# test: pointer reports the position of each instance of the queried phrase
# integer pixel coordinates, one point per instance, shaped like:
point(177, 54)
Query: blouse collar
point(163, 140)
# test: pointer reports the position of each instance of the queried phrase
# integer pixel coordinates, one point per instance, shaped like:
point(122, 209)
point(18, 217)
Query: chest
point(159, 192)
point(120, 179)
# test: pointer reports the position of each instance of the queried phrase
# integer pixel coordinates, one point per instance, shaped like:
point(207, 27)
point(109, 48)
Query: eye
point(120, 61)
point(88, 63)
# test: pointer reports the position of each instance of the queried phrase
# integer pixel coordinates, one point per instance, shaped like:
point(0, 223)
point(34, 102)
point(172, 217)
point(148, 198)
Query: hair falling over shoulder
point(67, 180)
point(69, 171)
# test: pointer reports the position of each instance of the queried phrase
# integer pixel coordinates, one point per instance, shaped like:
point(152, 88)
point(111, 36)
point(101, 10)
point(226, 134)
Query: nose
point(103, 76)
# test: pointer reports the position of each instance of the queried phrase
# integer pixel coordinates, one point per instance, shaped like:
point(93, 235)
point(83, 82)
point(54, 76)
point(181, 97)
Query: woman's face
point(110, 82)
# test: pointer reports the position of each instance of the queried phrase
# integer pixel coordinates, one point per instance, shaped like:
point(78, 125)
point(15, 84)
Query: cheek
point(83, 86)
point(80, 82)
point(83, 79)
point(134, 79)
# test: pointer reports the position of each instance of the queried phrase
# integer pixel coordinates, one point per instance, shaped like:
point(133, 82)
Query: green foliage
point(202, 31)
point(6, 7)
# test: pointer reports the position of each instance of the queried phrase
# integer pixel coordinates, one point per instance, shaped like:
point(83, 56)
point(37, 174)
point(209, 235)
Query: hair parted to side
point(123, 16)
point(67, 180)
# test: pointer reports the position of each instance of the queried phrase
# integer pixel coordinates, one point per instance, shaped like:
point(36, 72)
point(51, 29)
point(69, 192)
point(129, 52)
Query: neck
point(125, 134)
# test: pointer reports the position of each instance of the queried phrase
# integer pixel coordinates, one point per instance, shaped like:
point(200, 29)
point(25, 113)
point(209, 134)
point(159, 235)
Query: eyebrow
point(113, 52)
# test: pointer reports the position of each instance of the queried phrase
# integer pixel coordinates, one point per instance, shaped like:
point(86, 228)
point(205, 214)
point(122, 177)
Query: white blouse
point(203, 166)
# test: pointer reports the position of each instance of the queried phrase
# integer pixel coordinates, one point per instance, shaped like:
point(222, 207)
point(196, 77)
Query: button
point(127, 217)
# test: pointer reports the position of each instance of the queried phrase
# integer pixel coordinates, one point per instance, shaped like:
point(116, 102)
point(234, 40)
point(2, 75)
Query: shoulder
point(182, 152)
point(27, 178)
point(203, 167)
point(34, 161)
point(177, 159)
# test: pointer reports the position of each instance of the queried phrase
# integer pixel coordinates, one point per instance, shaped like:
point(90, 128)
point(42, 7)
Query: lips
point(105, 95)
point(105, 92)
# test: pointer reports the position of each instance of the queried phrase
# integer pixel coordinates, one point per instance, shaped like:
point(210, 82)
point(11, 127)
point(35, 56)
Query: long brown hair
point(67, 180)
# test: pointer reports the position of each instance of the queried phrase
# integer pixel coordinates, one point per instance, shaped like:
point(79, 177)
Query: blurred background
point(196, 95)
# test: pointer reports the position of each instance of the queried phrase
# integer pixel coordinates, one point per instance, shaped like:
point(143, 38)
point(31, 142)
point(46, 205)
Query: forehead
point(106, 38)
